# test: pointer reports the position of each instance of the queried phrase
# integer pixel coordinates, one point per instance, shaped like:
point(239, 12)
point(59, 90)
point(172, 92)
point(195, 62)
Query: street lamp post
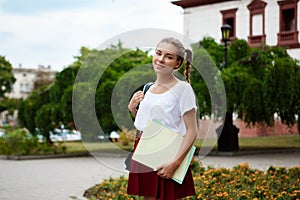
point(228, 134)
point(225, 29)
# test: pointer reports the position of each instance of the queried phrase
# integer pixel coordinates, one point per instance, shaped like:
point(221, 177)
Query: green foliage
point(6, 76)
point(9, 104)
point(19, 142)
point(109, 64)
point(206, 81)
point(27, 111)
point(214, 50)
point(240, 182)
point(63, 81)
point(46, 118)
point(239, 49)
point(110, 189)
point(259, 82)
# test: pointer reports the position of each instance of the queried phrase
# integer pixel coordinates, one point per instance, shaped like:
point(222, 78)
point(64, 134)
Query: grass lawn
point(257, 143)
point(270, 142)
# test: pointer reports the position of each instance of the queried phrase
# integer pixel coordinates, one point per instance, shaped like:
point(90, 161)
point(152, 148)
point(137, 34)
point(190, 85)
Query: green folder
point(181, 171)
point(159, 145)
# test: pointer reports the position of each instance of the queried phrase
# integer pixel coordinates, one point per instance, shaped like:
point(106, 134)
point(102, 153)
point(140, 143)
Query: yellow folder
point(159, 145)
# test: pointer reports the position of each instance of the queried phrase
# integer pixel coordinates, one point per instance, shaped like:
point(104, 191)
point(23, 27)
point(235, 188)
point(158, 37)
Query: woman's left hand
point(167, 170)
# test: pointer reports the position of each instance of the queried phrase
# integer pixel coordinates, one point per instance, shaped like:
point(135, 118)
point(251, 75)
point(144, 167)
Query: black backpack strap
point(147, 86)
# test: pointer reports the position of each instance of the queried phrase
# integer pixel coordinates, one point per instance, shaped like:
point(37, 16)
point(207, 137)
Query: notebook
point(159, 145)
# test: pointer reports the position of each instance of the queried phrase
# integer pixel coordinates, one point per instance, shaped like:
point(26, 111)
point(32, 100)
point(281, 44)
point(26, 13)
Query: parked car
point(114, 136)
point(62, 135)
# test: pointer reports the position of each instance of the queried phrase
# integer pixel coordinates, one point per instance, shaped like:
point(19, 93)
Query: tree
point(6, 76)
point(29, 107)
point(45, 119)
point(259, 82)
point(79, 90)
point(96, 80)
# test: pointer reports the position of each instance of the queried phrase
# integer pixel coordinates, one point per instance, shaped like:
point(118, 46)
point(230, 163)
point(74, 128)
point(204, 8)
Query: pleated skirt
point(143, 181)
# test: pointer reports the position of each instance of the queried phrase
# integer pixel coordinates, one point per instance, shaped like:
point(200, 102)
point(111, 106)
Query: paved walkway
point(68, 178)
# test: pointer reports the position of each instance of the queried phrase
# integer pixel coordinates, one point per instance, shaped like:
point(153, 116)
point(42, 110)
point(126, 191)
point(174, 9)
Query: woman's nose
point(161, 58)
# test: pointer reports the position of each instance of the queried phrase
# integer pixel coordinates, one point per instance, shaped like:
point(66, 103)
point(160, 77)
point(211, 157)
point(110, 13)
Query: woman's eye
point(158, 53)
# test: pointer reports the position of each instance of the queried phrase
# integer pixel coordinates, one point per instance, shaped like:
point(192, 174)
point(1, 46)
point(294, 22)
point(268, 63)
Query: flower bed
point(240, 182)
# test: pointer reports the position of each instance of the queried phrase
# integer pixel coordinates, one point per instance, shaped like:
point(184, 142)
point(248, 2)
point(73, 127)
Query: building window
point(288, 20)
point(288, 31)
point(21, 87)
point(257, 34)
point(229, 17)
point(24, 88)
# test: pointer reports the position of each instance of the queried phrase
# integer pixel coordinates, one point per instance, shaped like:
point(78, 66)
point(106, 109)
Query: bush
point(126, 136)
point(19, 142)
point(240, 182)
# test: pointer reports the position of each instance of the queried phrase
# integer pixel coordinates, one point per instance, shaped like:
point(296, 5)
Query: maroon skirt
point(143, 181)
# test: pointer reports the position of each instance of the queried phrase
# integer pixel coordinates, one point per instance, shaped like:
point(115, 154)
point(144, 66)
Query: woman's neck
point(164, 80)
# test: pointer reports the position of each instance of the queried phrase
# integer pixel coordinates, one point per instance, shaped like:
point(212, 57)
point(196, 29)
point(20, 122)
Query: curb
point(34, 157)
point(123, 155)
point(253, 152)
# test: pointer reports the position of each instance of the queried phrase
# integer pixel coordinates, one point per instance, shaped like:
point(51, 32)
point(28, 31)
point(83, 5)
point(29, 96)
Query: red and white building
point(272, 22)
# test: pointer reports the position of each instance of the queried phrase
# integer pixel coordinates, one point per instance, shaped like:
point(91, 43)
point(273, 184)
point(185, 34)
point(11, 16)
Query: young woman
point(172, 102)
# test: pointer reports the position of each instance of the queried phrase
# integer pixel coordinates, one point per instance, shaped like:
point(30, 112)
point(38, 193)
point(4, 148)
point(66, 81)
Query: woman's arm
point(167, 170)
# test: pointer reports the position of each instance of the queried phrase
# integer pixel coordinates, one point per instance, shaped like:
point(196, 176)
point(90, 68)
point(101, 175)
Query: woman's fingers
point(137, 98)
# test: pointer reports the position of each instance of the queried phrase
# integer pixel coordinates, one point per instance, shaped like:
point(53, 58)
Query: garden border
point(106, 154)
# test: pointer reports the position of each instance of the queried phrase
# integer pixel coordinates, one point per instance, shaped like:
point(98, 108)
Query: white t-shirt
point(168, 108)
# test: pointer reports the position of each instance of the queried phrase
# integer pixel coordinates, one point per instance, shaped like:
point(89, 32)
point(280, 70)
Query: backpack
point(129, 155)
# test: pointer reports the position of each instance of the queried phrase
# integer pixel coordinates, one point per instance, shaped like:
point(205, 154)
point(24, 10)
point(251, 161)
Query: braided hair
point(183, 54)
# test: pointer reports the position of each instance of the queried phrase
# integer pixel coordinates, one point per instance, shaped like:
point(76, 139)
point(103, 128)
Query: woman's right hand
point(134, 101)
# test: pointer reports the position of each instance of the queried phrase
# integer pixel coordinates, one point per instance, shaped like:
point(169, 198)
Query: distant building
point(27, 79)
point(275, 23)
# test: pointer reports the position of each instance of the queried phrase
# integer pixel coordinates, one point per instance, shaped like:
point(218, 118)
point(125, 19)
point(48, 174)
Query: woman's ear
point(179, 63)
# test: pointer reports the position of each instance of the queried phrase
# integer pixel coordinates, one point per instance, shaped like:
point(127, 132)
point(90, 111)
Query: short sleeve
point(187, 99)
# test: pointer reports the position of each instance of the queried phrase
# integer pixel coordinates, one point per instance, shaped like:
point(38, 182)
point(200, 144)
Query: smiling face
point(165, 58)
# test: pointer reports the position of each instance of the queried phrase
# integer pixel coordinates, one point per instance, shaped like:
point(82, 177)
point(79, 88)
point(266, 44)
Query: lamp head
point(225, 29)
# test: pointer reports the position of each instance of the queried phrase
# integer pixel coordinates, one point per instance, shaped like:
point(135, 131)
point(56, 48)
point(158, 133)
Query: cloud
point(53, 36)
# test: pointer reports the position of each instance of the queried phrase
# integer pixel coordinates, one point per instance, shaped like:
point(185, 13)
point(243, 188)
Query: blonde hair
point(183, 54)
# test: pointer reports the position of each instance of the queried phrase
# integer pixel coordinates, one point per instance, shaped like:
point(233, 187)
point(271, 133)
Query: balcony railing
point(256, 40)
point(288, 38)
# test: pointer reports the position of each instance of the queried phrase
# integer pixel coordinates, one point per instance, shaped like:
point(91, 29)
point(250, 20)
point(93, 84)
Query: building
point(272, 22)
point(27, 79)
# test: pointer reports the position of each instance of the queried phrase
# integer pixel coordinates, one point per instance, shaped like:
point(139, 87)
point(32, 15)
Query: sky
point(51, 32)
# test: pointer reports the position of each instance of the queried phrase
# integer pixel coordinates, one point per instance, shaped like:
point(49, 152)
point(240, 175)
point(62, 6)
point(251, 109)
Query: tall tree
point(99, 74)
point(6, 76)
point(259, 82)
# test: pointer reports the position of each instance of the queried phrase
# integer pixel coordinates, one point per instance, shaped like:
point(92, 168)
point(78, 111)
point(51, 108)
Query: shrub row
point(19, 142)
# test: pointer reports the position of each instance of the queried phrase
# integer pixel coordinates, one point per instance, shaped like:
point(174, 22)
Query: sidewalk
point(68, 178)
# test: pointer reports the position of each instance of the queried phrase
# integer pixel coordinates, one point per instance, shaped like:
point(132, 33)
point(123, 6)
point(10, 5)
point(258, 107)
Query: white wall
point(207, 20)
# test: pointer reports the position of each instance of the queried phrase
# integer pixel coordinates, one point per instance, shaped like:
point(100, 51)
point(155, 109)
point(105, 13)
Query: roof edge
point(194, 3)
